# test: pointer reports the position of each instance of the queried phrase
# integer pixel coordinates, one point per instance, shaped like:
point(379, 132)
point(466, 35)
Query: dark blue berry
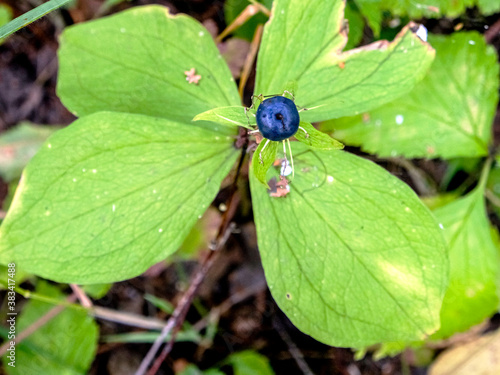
point(277, 118)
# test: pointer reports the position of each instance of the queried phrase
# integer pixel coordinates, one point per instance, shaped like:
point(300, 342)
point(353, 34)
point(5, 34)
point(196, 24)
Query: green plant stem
point(53, 301)
point(484, 174)
point(30, 16)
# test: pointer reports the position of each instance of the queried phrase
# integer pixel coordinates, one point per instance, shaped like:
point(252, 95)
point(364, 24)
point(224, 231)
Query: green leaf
point(30, 16)
point(474, 265)
point(5, 16)
point(18, 145)
point(65, 345)
point(370, 9)
point(231, 116)
point(249, 362)
point(150, 337)
point(262, 162)
point(316, 139)
point(97, 291)
point(303, 42)
point(194, 370)
point(356, 25)
point(435, 8)
point(351, 255)
point(448, 114)
point(488, 7)
point(111, 195)
point(136, 61)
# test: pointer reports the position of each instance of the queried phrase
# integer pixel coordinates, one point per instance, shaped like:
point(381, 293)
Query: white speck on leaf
point(122, 30)
point(94, 170)
point(47, 213)
point(154, 191)
point(286, 169)
point(399, 119)
point(378, 122)
point(407, 209)
point(330, 179)
point(394, 153)
point(441, 226)
point(84, 170)
point(201, 33)
point(114, 208)
point(49, 145)
point(74, 180)
point(160, 230)
point(422, 33)
point(471, 42)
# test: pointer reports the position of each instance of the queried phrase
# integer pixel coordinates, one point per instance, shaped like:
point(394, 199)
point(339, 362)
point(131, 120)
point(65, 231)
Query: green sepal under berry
point(233, 116)
point(260, 167)
point(316, 139)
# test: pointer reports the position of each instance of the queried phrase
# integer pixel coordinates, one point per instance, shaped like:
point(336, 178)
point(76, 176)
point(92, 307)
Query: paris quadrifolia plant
point(350, 253)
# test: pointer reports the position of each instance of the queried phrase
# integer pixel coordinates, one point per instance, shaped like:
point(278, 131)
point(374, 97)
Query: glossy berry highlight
point(277, 118)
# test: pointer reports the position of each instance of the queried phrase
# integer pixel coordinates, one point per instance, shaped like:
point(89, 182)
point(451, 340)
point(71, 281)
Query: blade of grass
point(30, 16)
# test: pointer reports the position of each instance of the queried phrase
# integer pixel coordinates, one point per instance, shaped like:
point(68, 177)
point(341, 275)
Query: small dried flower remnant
point(191, 76)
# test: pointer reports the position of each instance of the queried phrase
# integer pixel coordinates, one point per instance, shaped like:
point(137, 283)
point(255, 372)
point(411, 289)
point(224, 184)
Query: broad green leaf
point(249, 362)
point(111, 195)
point(263, 158)
point(316, 139)
point(18, 145)
point(351, 255)
point(474, 265)
point(136, 61)
point(65, 345)
point(448, 114)
point(303, 42)
point(231, 116)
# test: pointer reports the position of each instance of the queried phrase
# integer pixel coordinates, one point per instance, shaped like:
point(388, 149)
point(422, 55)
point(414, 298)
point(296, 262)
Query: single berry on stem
point(277, 118)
